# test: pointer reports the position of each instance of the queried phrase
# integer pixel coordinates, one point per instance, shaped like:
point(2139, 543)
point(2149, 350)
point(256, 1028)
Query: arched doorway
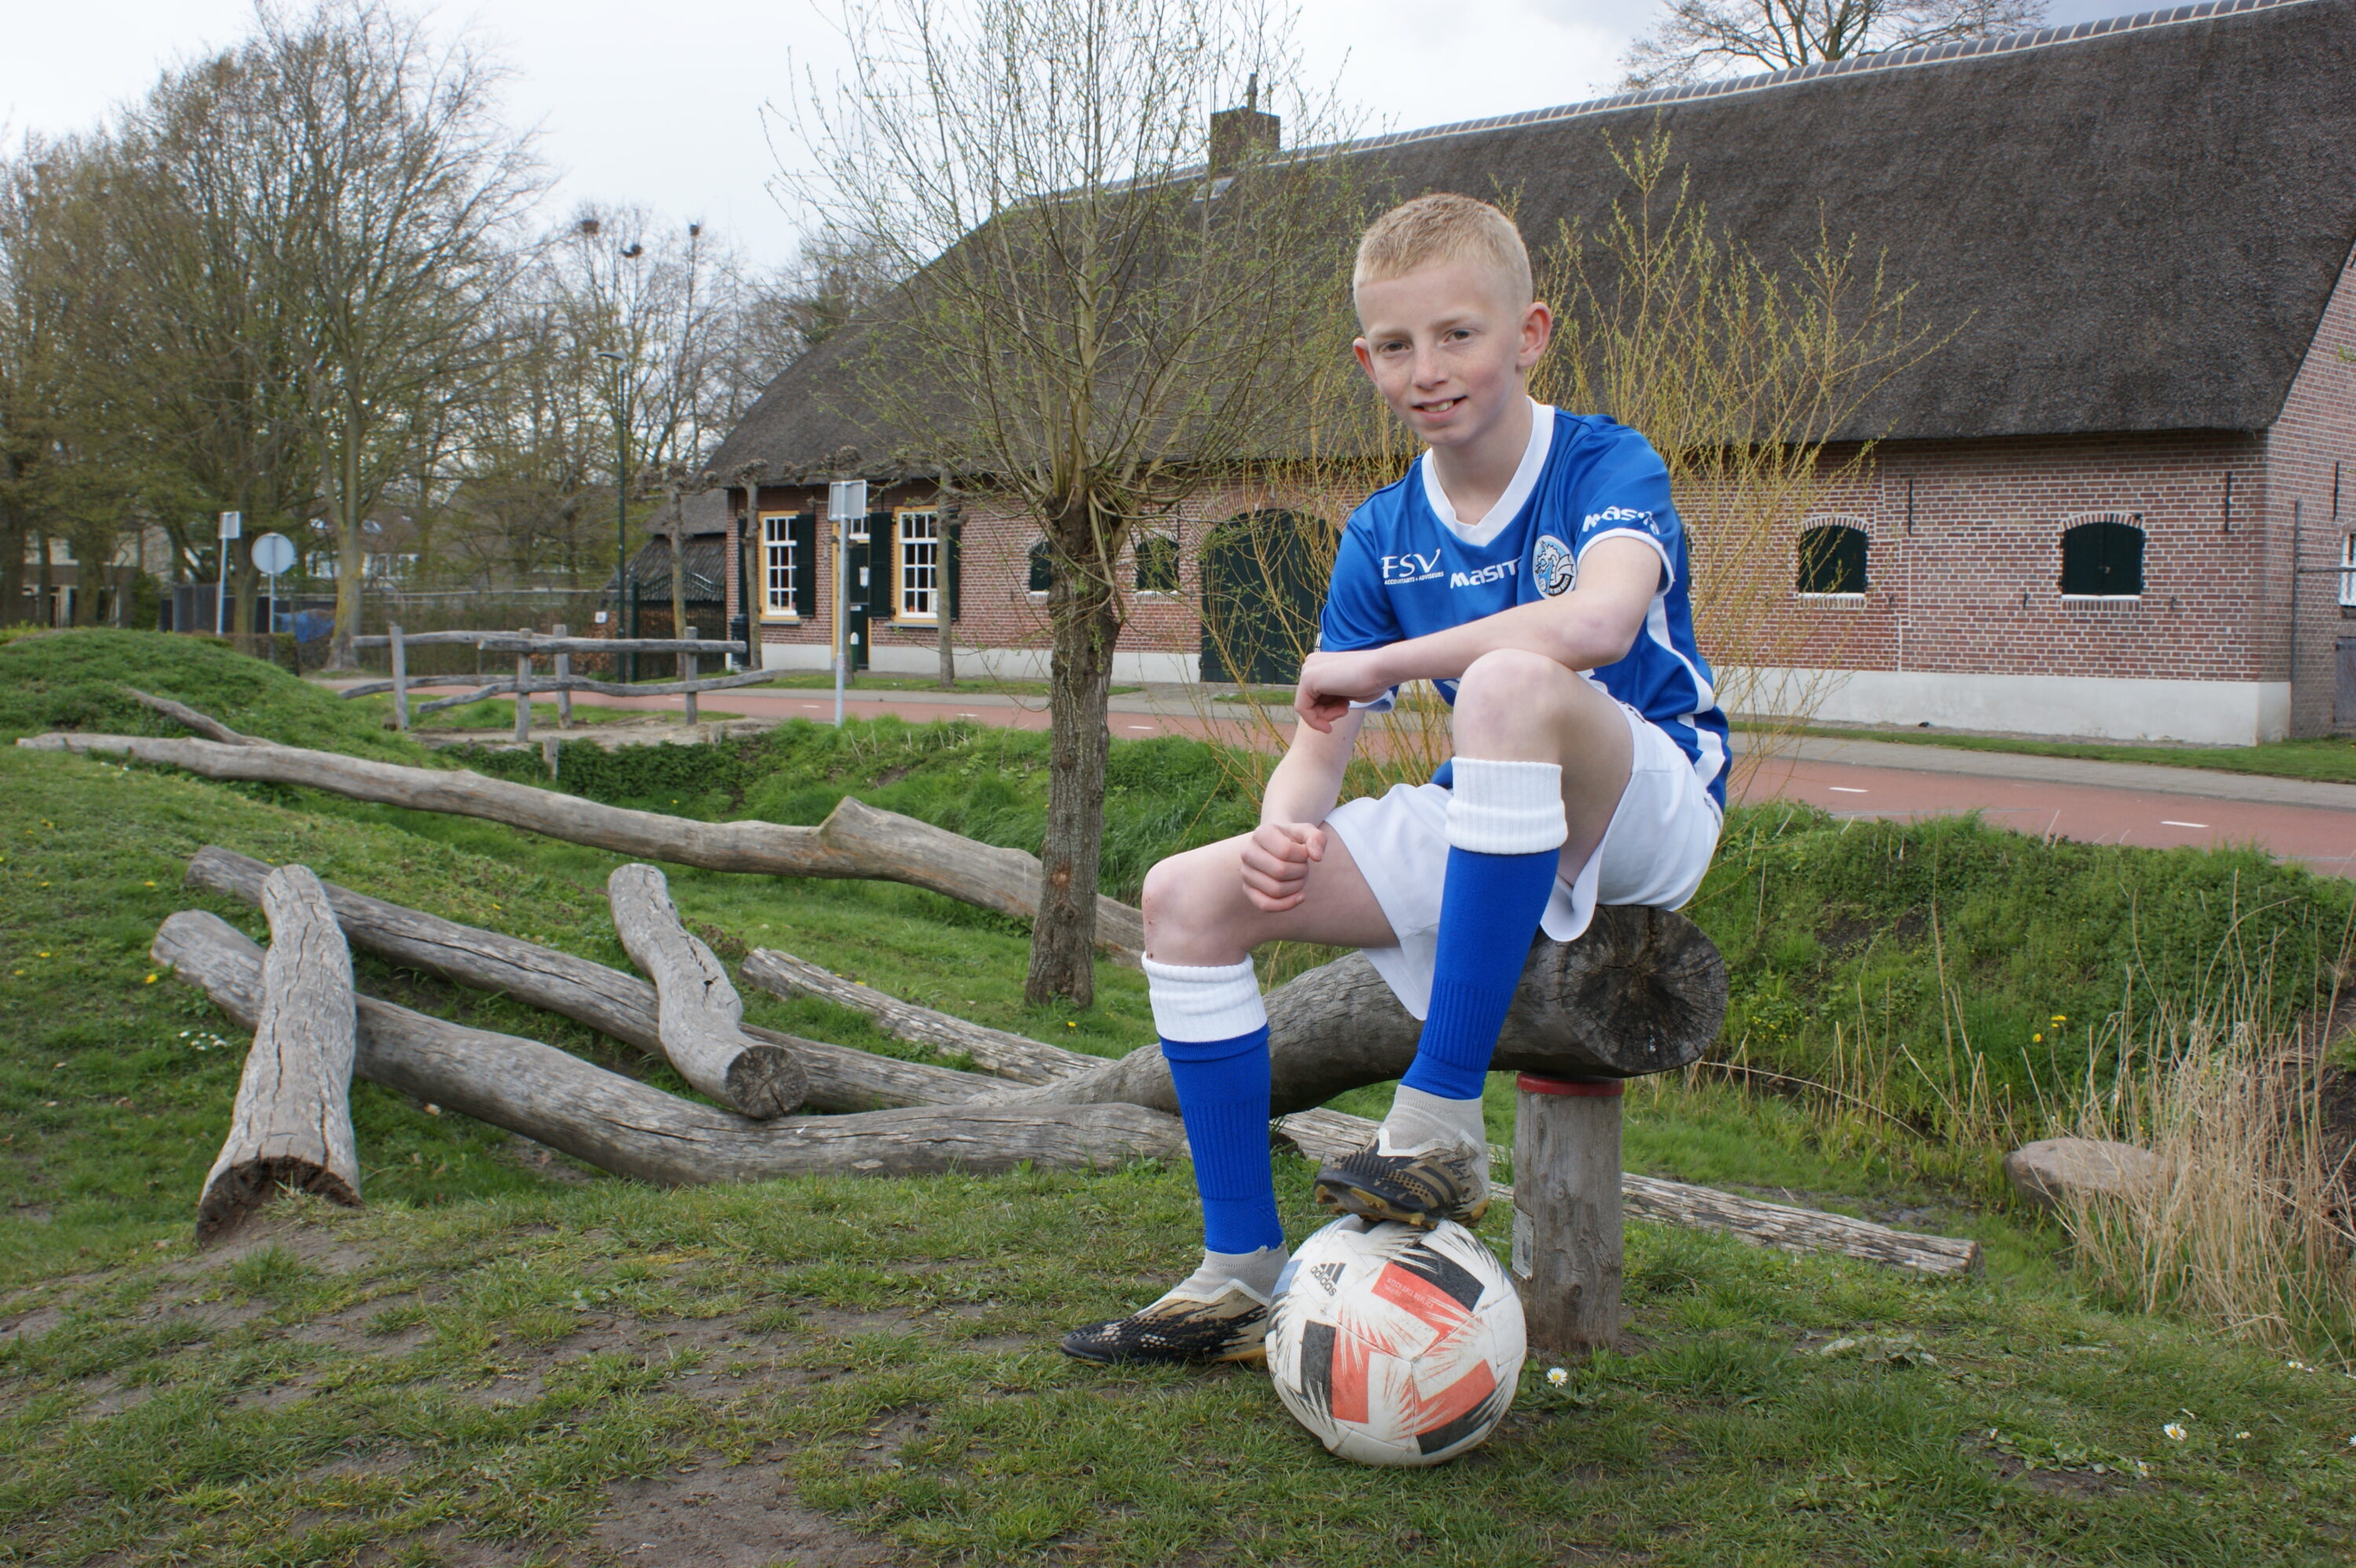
point(1264, 576)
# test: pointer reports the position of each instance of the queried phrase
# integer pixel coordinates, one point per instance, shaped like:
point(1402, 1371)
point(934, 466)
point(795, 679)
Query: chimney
point(1238, 134)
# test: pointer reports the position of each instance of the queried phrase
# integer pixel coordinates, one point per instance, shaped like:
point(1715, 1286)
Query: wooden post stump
point(693, 667)
point(523, 695)
point(1566, 1235)
point(399, 679)
point(563, 692)
point(292, 1124)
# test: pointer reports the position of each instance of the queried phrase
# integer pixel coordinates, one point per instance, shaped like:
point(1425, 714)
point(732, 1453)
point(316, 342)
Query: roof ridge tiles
point(1895, 60)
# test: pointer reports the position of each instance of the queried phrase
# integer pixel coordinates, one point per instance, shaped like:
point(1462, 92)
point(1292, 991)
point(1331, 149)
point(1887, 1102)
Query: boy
point(1529, 565)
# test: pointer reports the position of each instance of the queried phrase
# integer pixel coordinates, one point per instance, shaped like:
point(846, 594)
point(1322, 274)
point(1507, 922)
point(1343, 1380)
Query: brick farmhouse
point(2115, 503)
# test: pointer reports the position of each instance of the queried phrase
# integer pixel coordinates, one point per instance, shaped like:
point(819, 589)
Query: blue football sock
point(1223, 1097)
point(1506, 832)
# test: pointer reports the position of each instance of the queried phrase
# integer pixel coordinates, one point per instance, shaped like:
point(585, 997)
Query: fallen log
point(855, 840)
point(607, 1000)
point(622, 1125)
point(204, 724)
point(1642, 991)
point(994, 1050)
point(699, 1018)
point(1322, 1135)
point(292, 1123)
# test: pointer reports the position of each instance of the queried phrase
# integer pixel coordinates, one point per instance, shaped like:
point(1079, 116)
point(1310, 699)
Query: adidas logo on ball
point(1409, 1351)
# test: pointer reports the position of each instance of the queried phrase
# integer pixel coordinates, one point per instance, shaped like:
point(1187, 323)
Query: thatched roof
point(2135, 224)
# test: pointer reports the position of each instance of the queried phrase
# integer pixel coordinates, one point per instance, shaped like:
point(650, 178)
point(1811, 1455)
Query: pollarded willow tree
point(1118, 289)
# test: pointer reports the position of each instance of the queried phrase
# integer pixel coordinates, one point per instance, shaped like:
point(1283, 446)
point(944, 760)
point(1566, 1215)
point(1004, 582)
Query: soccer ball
point(1396, 1346)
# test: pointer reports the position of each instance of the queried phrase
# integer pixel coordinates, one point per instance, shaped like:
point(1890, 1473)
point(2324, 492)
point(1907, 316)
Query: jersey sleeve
point(1357, 610)
point(1627, 494)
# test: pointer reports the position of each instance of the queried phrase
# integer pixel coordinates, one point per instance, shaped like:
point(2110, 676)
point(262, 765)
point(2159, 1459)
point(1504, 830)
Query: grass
point(2325, 759)
point(502, 1345)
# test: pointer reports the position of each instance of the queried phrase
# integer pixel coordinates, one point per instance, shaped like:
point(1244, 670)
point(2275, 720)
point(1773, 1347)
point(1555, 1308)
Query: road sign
point(232, 524)
point(273, 554)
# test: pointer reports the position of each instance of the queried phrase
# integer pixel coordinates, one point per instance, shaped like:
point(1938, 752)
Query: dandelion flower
point(2061, 1018)
point(151, 884)
point(1557, 1377)
point(2175, 1431)
point(2038, 1039)
point(148, 981)
point(1069, 1024)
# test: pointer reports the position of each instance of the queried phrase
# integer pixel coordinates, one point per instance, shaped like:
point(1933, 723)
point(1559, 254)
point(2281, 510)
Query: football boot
point(1190, 1326)
point(1419, 1187)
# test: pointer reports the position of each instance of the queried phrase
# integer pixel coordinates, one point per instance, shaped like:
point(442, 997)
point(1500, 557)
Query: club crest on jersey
point(1554, 567)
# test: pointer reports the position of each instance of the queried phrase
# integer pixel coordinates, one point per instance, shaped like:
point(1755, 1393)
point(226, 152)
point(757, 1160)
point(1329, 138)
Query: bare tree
point(409, 191)
point(1109, 301)
point(1695, 40)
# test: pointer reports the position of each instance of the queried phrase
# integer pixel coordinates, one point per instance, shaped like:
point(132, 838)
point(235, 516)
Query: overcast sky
point(661, 105)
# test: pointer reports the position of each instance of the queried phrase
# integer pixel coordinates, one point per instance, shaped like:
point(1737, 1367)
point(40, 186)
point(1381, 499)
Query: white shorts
point(1654, 852)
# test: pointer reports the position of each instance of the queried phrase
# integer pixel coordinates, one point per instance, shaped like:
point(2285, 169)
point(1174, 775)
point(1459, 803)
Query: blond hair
point(1444, 227)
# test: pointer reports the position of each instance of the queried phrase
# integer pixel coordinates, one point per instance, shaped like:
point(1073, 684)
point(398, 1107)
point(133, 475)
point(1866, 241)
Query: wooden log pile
point(630, 1128)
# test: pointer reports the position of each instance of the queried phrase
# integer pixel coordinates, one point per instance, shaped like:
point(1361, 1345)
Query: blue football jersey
point(1406, 568)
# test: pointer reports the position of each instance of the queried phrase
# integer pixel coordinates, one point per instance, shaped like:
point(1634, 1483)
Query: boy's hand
point(1276, 863)
point(1331, 682)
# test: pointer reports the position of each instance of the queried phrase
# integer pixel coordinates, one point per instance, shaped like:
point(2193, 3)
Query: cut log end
point(765, 1080)
point(244, 1189)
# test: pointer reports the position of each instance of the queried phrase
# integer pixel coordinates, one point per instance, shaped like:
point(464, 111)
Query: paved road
point(2103, 803)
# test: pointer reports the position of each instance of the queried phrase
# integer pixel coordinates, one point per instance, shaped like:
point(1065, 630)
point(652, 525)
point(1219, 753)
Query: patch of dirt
point(107, 1397)
point(542, 1160)
point(31, 1325)
point(723, 1516)
point(319, 1246)
point(1846, 933)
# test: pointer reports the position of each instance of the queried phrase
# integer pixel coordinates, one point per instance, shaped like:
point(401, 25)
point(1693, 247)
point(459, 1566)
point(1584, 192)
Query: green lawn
point(505, 1357)
point(2327, 759)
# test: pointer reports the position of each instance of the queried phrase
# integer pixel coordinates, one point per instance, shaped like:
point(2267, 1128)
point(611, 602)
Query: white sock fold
point(1506, 808)
point(1255, 1272)
point(1418, 1120)
point(1199, 1003)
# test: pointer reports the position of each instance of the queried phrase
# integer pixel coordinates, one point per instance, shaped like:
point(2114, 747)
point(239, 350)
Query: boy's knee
point(1509, 683)
point(1172, 888)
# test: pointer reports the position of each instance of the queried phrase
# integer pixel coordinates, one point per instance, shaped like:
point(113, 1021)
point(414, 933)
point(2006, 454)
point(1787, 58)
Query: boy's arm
point(1300, 792)
point(1592, 625)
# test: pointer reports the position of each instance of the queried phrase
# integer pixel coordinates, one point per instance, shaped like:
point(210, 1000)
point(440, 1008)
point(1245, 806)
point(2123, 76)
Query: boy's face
point(1448, 347)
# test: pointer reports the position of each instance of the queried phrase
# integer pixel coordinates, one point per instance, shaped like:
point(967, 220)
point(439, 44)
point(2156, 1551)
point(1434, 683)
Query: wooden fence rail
point(529, 646)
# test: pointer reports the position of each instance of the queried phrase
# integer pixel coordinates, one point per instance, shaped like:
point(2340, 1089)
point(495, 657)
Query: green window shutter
point(1832, 560)
point(803, 531)
point(952, 550)
point(2103, 559)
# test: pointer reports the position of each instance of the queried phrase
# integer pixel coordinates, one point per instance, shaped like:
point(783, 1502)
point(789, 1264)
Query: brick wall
point(1963, 561)
point(2310, 455)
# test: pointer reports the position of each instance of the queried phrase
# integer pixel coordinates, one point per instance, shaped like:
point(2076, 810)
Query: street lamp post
point(625, 620)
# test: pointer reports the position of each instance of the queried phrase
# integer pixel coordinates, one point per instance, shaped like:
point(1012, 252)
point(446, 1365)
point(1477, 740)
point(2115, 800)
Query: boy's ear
point(1364, 355)
point(1538, 331)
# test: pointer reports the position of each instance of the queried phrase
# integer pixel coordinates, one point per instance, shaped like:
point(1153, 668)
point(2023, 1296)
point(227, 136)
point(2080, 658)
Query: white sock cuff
point(1217, 1002)
point(1506, 808)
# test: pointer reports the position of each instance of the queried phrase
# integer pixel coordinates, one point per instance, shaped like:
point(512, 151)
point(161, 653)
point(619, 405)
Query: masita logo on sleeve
point(1609, 515)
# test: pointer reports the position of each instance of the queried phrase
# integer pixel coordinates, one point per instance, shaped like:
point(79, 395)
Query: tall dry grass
point(2247, 1225)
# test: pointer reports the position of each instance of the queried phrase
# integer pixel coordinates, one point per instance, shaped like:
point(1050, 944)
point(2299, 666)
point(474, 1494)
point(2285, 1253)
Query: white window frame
point(915, 602)
point(2348, 571)
point(780, 570)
